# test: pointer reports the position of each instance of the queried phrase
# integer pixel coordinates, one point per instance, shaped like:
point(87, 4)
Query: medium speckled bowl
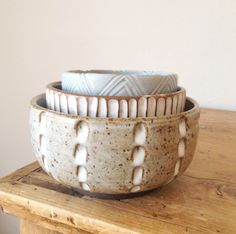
point(113, 157)
point(114, 106)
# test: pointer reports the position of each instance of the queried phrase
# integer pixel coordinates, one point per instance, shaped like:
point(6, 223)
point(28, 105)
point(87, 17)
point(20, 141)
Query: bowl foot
point(118, 196)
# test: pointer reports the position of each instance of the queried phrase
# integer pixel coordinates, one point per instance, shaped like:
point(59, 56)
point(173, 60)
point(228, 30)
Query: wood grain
point(203, 200)
point(27, 227)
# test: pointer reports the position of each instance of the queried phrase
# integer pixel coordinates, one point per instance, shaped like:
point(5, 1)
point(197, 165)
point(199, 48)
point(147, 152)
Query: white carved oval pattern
point(182, 128)
point(80, 155)
point(82, 174)
point(80, 152)
point(135, 189)
point(137, 175)
point(181, 148)
point(138, 156)
point(82, 132)
point(42, 124)
point(43, 145)
point(139, 134)
point(181, 145)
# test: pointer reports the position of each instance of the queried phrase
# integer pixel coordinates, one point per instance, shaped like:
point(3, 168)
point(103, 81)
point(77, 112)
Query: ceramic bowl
point(119, 83)
point(114, 106)
point(113, 157)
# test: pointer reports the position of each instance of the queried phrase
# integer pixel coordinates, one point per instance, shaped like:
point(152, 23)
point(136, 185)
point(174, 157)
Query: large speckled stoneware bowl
point(113, 157)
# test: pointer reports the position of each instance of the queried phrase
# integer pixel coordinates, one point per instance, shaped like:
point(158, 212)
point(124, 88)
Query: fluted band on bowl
point(113, 156)
point(114, 106)
point(119, 83)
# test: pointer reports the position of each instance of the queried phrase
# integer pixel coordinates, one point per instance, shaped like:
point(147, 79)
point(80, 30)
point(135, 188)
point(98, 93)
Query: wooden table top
point(202, 200)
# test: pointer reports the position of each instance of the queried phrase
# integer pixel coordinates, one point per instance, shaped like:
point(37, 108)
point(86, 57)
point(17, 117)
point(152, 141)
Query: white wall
point(40, 39)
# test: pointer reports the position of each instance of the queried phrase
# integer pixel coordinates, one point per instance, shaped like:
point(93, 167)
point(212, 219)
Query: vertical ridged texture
point(132, 108)
point(142, 107)
point(57, 102)
point(48, 98)
point(92, 106)
point(161, 105)
point(174, 104)
point(102, 108)
point(72, 105)
point(168, 106)
point(151, 107)
point(64, 104)
point(183, 101)
point(82, 106)
point(123, 109)
point(138, 156)
point(180, 101)
point(80, 153)
point(51, 98)
point(113, 108)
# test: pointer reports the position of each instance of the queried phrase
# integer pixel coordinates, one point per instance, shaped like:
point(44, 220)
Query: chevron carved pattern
point(120, 84)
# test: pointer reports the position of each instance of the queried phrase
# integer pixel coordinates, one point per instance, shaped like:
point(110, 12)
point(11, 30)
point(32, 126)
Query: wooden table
point(203, 200)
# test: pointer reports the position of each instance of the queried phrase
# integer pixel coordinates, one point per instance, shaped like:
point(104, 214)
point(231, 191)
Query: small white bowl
point(119, 83)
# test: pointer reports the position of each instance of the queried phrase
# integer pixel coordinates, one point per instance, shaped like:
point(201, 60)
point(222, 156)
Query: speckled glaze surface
point(113, 155)
point(119, 83)
point(114, 106)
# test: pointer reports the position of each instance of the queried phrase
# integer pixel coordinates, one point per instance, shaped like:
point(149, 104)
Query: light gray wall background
point(40, 39)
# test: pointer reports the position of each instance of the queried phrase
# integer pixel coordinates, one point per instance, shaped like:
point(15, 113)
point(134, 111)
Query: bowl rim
point(194, 109)
point(54, 86)
point(138, 73)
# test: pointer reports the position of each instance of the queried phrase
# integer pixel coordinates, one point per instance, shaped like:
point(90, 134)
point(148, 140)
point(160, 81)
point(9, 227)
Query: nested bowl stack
point(112, 157)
